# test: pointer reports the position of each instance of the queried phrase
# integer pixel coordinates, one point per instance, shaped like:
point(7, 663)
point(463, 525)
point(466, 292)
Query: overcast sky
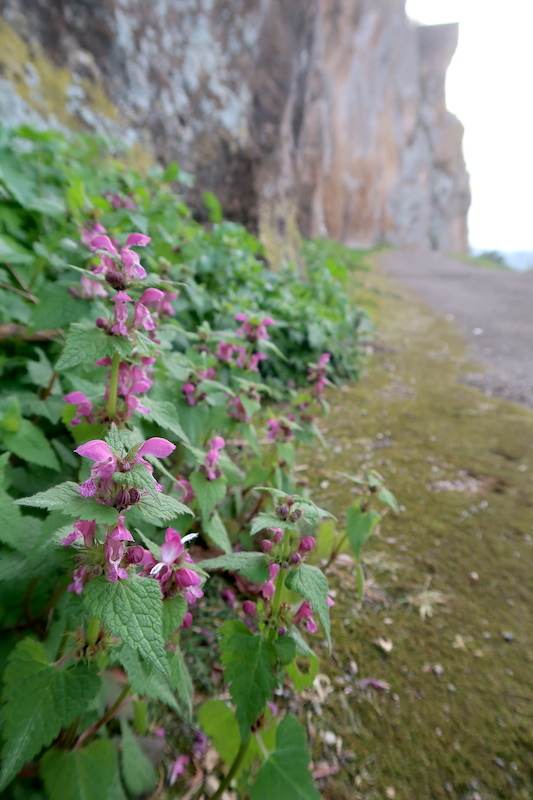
point(490, 88)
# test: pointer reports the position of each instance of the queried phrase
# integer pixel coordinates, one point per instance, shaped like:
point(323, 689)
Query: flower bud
point(102, 323)
point(249, 608)
point(266, 545)
point(295, 558)
point(278, 535)
point(295, 515)
point(135, 496)
point(115, 279)
point(283, 511)
point(282, 630)
point(306, 544)
point(122, 498)
point(187, 620)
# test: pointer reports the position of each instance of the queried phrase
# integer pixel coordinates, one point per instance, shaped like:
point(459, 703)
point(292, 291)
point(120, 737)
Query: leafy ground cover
point(429, 691)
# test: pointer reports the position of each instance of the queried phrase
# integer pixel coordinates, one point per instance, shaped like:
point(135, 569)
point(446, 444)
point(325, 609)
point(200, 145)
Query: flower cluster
point(252, 328)
point(317, 374)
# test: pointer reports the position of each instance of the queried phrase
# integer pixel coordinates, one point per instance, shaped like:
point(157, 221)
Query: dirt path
point(493, 308)
point(448, 579)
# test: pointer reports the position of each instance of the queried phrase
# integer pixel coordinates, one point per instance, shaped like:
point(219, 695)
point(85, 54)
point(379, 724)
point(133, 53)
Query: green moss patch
point(457, 719)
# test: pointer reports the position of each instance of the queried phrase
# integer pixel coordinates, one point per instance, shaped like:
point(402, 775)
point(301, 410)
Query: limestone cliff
point(325, 116)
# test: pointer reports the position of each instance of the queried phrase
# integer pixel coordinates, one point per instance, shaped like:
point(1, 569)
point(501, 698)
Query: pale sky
point(490, 88)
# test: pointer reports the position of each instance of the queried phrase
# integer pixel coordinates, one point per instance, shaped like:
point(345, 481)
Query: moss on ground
point(457, 721)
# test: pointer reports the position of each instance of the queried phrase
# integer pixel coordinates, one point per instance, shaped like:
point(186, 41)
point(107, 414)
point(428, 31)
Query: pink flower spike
point(172, 548)
point(217, 443)
point(178, 769)
point(249, 608)
point(97, 450)
point(187, 577)
point(137, 240)
point(240, 317)
point(187, 620)
point(155, 447)
point(268, 321)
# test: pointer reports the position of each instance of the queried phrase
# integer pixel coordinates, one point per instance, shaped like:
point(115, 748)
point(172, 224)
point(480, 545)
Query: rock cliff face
point(325, 116)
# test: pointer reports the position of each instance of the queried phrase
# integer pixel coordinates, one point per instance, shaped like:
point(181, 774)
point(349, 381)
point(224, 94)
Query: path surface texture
point(493, 308)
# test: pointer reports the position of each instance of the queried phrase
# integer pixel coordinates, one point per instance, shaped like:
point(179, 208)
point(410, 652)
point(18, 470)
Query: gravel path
point(493, 308)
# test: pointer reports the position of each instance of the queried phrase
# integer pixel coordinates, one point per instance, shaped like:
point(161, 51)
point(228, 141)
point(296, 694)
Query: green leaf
point(66, 498)
point(174, 610)
point(166, 415)
point(88, 774)
point(180, 680)
point(311, 583)
point(247, 658)
point(214, 209)
point(359, 526)
point(29, 443)
point(138, 773)
point(162, 507)
point(302, 680)
point(264, 521)
point(208, 493)
point(11, 522)
point(86, 343)
point(285, 649)
point(388, 498)
point(145, 679)
point(216, 531)
point(285, 774)
point(133, 610)
point(40, 699)
point(251, 565)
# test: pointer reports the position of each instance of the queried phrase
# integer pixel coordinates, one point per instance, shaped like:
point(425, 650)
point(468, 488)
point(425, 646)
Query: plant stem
point(113, 387)
point(93, 629)
point(109, 714)
point(233, 770)
point(276, 602)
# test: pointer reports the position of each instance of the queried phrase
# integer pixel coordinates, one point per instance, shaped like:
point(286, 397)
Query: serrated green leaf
point(66, 498)
point(88, 774)
point(138, 772)
point(285, 774)
point(174, 610)
point(207, 493)
point(311, 583)
point(139, 477)
point(133, 610)
point(145, 679)
point(247, 659)
point(359, 526)
point(166, 415)
point(86, 343)
point(29, 443)
point(302, 680)
point(264, 521)
point(117, 439)
point(161, 507)
point(180, 681)
point(215, 529)
point(40, 699)
point(251, 565)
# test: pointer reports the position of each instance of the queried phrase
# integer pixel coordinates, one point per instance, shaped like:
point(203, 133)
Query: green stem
point(113, 387)
point(276, 602)
point(233, 770)
point(109, 714)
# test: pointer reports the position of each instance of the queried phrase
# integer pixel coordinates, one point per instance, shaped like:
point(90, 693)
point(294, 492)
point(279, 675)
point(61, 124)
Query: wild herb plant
point(138, 459)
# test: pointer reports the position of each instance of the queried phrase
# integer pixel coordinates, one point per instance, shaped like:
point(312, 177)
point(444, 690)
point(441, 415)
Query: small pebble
point(329, 738)
point(438, 669)
point(448, 786)
point(508, 636)
point(474, 576)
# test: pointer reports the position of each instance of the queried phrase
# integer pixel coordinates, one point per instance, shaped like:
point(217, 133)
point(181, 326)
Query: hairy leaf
point(216, 530)
point(247, 658)
point(208, 493)
point(86, 343)
point(166, 415)
point(180, 681)
point(174, 610)
point(145, 679)
point(88, 774)
point(66, 498)
point(29, 443)
point(133, 610)
point(252, 565)
point(285, 774)
point(359, 526)
point(40, 699)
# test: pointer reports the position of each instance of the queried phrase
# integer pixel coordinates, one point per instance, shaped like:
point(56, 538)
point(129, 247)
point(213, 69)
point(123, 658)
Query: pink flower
point(120, 532)
point(114, 552)
point(88, 234)
point(189, 390)
point(126, 261)
point(212, 458)
point(253, 329)
point(171, 573)
point(236, 409)
point(268, 588)
point(79, 578)
point(249, 608)
point(121, 313)
point(273, 428)
point(305, 612)
point(255, 359)
point(229, 597)
point(185, 489)
point(84, 407)
point(224, 351)
point(187, 621)
point(89, 289)
point(178, 769)
point(317, 374)
point(306, 545)
point(83, 529)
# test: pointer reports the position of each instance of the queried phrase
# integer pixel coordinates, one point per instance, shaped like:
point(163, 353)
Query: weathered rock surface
point(325, 116)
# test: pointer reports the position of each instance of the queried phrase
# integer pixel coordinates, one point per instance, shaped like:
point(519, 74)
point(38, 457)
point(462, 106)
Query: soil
point(448, 578)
